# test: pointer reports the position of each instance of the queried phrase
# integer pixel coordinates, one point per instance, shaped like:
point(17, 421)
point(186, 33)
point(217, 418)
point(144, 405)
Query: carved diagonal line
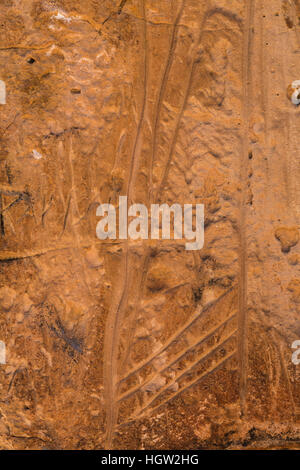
point(187, 371)
point(195, 381)
point(183, 389)
point(176, 335)
point(178, 357)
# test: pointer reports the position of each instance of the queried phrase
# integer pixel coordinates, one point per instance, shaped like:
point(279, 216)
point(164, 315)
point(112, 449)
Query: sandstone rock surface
point(141, 344)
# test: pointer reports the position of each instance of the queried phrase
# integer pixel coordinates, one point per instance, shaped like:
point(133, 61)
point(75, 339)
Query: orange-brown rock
point(141, 344)
point(288, 237)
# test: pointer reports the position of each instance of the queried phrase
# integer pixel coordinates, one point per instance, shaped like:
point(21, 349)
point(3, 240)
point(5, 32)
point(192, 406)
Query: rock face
point(142, 344)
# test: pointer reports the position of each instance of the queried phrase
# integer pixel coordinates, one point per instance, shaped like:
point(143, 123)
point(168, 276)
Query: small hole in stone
point(31, 60)
point(75, 91)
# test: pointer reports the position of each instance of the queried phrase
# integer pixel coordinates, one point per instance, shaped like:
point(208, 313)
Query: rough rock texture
point(141, 344)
